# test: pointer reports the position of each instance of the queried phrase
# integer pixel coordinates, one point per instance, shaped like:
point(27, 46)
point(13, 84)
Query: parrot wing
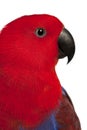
point(66, 116)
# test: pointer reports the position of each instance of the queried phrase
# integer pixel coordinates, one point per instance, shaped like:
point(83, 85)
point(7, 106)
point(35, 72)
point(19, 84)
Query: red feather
point(29, 87)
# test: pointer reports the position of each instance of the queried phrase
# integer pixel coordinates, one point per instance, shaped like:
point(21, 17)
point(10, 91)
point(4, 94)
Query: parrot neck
point(26, 76)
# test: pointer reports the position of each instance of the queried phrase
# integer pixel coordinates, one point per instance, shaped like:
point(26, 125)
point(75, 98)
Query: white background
point(73, 13)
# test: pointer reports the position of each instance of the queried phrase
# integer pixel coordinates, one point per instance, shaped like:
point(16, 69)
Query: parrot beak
point(66, 45)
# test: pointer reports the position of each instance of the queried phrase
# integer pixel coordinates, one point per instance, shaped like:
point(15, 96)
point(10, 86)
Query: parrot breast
point(29, 96)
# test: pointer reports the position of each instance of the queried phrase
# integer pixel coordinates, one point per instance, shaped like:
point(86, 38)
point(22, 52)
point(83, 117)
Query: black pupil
point(40, 32)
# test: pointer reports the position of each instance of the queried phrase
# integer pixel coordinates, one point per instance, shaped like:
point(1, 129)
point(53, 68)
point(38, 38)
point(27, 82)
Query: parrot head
point(30, 47)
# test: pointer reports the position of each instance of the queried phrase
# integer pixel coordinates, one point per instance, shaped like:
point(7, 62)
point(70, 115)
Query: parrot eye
point(40, 32)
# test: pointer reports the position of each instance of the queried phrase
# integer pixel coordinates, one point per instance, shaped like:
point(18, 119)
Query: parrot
point(31, 95)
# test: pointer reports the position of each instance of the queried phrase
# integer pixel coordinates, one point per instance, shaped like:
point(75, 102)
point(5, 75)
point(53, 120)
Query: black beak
point(66, 45)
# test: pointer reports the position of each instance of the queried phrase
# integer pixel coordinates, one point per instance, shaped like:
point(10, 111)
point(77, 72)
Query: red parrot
point(31, 96)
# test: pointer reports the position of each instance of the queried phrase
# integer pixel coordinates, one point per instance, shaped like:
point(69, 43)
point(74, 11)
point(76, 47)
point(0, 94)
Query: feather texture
point(67, 117)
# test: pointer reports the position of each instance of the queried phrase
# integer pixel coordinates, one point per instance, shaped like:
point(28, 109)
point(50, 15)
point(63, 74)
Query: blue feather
point(49, 124)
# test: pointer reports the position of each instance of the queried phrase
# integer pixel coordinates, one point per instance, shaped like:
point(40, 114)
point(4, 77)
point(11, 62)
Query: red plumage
point(30, 90)
point(29, 87)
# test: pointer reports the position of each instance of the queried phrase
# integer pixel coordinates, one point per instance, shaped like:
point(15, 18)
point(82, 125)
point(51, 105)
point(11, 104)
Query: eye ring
point(40, 32)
